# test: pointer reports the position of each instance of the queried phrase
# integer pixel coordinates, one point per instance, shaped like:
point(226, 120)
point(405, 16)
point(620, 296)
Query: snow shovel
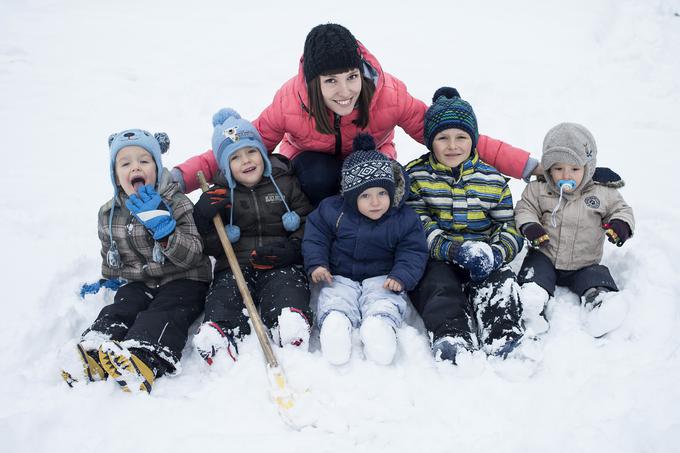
point(280, 393)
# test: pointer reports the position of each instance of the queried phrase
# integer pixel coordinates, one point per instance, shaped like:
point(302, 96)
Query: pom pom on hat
point(447, 92)
point(163, 140)
point(223, 115)
point(363, 142)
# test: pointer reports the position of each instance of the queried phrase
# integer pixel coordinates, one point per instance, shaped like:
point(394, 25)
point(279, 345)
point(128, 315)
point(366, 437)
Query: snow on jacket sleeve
point(527, 209)
point(204, 162)
point(316, 245)
point(506, 158)
point(410, 256)
point(507, 236)
point(619, 209)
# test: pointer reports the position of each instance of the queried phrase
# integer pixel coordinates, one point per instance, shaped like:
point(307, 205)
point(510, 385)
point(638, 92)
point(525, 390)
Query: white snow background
point(73, 72)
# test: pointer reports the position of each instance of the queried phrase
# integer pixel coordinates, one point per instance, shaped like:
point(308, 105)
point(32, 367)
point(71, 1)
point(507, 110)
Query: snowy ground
point(73, 72)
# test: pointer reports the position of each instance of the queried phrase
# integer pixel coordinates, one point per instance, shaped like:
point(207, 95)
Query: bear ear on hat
point(223, 115)
point(163, 140)
point(363, 142)
point(112, 137)
point(447, 92)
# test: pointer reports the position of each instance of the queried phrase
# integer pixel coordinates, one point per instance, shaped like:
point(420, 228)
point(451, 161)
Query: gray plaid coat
point(184, 257)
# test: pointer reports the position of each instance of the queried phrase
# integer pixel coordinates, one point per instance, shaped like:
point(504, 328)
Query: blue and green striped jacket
point(469, 203)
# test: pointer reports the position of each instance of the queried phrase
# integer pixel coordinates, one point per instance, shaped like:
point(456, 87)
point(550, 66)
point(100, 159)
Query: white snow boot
point(211, 338)
point(380, 340)
point(294, 328)
point(534, 299)
point(602, 311)
point(336, 338)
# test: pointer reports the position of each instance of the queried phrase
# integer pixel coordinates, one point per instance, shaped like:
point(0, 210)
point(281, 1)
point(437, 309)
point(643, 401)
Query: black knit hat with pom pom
point(366, 168)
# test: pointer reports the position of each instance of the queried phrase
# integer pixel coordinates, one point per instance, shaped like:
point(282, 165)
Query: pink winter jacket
point(287, 122)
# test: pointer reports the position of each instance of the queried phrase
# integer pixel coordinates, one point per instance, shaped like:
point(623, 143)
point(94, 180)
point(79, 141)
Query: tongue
point(137, 185)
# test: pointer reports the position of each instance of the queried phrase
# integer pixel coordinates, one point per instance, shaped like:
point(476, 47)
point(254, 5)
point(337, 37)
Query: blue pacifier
point(566, 184)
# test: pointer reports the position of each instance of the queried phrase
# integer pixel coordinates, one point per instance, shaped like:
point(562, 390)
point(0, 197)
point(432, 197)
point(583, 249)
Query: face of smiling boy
point(135, 167)
point(452, 147)
point(247, 166)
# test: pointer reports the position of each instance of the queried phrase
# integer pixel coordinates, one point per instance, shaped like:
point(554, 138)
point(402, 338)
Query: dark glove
point(213, 202)
point(617, 232)
point(277, 254)
point(479, 258)
point(536, 234)
point(93, 288)
point(150, 209)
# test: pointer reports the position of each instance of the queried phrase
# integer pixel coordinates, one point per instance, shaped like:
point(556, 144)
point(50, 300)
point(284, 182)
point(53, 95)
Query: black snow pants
point(271, 290)
point(158, 319)
point(485, 314)
point(539, 269)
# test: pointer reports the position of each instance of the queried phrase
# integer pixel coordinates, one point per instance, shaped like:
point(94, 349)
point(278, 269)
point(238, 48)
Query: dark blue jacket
point(350, 244)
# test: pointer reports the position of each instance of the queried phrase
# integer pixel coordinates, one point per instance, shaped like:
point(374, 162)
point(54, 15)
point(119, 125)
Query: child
point(148, 238)
point(264, 208)
point(368, 247)
point(565, 217)
point(466, 208)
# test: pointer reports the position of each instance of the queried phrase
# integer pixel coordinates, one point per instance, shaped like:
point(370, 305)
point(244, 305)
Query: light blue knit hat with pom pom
point(231, 134)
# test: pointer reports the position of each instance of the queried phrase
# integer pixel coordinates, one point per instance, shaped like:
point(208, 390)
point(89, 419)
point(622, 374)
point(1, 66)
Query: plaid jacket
point(470, 203)
point(184, 257)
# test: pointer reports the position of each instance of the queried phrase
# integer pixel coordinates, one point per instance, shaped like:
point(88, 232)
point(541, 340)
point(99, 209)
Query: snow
point(73, 72)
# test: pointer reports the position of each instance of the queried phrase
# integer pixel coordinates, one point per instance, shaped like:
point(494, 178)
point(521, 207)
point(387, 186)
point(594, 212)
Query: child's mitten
point(277, 254)
point(150, 209)
point(477, 257)
point(213, 202)
point(617, 231)
point(536, 234)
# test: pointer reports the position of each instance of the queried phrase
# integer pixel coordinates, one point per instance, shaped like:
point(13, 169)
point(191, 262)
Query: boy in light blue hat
point(152, 250)
point(264, 209)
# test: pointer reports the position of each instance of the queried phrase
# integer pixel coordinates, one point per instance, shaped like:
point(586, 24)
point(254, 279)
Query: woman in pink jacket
point(339, 91)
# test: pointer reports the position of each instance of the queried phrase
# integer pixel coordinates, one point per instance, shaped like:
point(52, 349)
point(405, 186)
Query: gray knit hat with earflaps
point(569, 143)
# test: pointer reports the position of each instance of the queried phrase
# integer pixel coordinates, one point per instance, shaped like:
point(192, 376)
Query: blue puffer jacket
point(347, 243)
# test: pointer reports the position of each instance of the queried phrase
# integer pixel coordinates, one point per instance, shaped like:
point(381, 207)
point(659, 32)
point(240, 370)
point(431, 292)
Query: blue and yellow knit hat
point(448, 111)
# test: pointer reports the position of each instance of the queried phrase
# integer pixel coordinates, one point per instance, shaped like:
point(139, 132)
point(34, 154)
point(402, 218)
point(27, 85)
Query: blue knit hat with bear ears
point(231, 134)
point(449, 111)
point(156, 145)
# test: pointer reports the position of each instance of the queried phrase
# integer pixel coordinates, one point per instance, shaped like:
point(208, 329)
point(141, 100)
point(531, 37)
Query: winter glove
point(148, 207)
point(93, 288)
point(479, 258)
point(277, 254)
point(617, 232)
point(213, 202)
point(536, 234)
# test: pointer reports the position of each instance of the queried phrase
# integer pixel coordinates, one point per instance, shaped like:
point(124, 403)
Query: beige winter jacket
point(578, 239)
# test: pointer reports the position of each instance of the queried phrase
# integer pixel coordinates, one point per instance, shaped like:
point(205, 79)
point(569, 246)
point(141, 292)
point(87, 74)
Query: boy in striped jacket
point(468, 296)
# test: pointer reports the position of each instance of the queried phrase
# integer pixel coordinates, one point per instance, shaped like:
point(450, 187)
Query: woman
point(339, 91)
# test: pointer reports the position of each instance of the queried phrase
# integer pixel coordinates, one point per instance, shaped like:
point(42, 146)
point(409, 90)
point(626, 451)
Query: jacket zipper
point(259, 220)
point(338, 135)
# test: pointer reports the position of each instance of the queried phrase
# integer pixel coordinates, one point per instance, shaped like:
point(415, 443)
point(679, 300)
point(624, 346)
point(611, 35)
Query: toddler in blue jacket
point(366, 247)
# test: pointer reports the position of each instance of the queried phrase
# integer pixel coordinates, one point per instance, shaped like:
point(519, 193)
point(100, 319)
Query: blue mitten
point(150, 209)
point(93, 288)
point(477, 257)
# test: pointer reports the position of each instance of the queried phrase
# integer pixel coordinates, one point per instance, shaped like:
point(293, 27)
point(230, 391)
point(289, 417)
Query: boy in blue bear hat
point(365, 247)
point(468, 297)
point(264, 210)
point(149, 242)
